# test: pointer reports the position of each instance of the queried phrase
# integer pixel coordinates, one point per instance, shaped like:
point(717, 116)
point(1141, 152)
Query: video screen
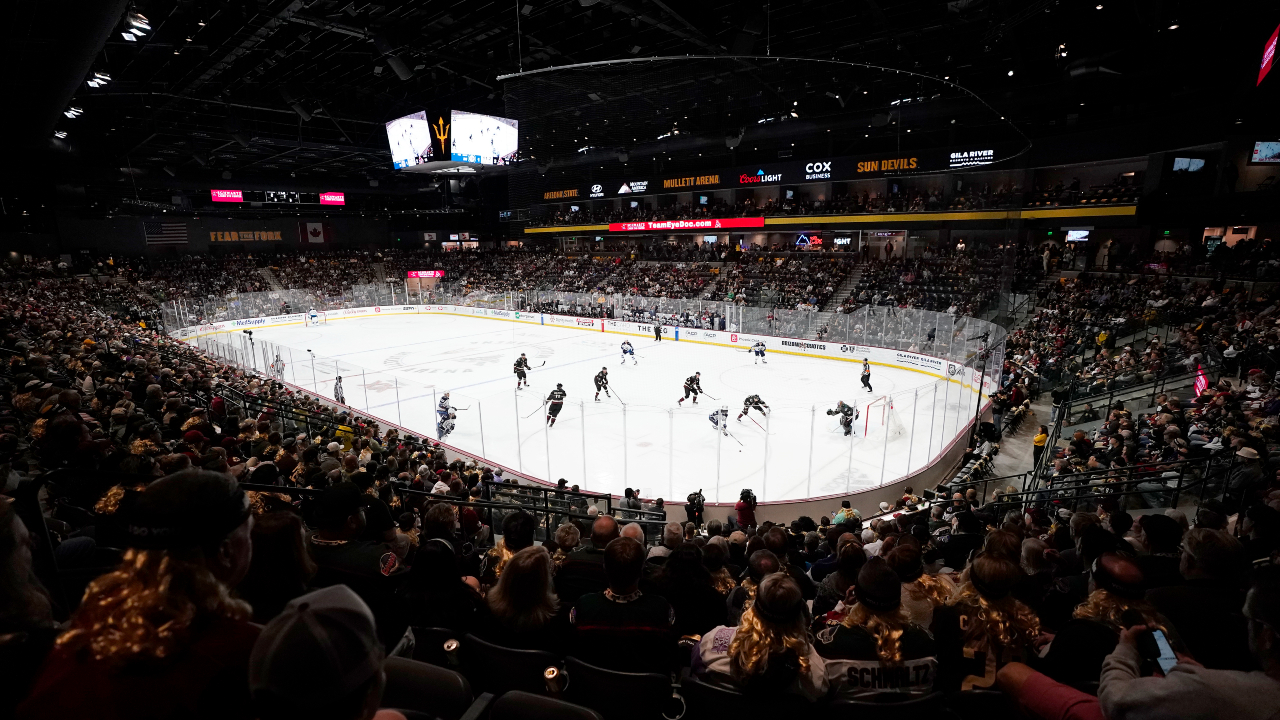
point(410, 140)
point(1266, 152)
point(1187, 164)
point(1077, 235)
point(484, 139)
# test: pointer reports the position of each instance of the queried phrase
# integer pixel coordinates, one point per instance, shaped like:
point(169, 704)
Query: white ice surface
point(396, 367)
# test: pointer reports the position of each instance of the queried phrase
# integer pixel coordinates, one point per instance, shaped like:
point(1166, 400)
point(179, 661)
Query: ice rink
point(396, 367)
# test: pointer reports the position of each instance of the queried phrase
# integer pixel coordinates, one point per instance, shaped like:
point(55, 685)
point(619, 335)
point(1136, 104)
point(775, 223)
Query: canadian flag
point(315, 232)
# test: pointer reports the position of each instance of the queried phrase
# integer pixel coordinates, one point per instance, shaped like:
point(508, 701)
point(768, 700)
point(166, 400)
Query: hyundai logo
point(597, 188)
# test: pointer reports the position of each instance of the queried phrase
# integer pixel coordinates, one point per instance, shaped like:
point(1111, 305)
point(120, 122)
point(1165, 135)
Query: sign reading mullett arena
point(707, 224)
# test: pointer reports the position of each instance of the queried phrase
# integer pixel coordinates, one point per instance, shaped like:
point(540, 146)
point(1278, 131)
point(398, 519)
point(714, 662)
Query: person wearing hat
point(1247, 475)
point(770, 649)
point(320, 658)
point(338, 551)
point(162, 635)
point(876, 647)
point(1116, 587)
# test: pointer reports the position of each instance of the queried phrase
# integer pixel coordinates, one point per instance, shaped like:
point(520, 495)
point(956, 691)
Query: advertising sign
point(227, 195)
point(333, 198)
point(703, 224)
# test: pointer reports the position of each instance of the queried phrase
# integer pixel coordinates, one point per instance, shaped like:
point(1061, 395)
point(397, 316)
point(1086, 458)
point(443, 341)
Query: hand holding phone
point(1150, 642)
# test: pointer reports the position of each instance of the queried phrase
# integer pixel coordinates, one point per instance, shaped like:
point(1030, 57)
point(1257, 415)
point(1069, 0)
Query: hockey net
point(319, 319)
point(881, 413)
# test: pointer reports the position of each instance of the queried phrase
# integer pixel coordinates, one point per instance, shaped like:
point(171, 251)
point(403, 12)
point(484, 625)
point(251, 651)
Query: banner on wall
point(314, 232)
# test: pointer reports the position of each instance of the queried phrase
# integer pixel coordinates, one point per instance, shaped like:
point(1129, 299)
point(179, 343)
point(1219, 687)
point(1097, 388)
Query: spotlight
point(1099, 7)
point(1010, 73)
point(1173, 26)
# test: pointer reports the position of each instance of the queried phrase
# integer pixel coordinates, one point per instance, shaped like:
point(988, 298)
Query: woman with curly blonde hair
point(921, 592)
point(876, 647)
point(983, 626)
point(770, 650)
point(162, 635)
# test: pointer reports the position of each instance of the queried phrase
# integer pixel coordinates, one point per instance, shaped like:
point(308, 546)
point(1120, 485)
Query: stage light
point(138, 20)
point(1010, 73)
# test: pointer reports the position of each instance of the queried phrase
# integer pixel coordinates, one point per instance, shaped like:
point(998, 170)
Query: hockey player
point(315, 316)
point(847, 414)
point(445, 426)
point(866, 374)
point(720, 420)
point(753, 401)
point(555, 403)
point(602, 383)
point(337, 391)
point(628, 350)
point(445, 407)
point(758, 351)
point(692, 384)
point(522, 364)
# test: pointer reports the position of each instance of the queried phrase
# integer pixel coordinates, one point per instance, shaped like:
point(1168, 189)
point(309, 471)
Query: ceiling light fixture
point(60, 134)
point(1099, 7)
point(129, 36)
point(1173, 26)
point(1010, 73)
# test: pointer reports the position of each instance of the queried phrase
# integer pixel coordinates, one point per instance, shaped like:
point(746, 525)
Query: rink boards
point(916, 362)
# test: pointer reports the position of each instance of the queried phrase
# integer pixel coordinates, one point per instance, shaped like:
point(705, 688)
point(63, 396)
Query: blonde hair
point(756, 639)
point(502, 555)
point(935, 588)
point(1107, 607)
point(143, 609)
point(887, 627)
point(1005, 622)
point(723, 582)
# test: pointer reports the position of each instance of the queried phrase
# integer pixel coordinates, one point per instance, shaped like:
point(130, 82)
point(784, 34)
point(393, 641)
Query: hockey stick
point(713, 397)
point(465, 408)
point(757, 424)
point(544, 403)
point(729, 434)
point(544, 362)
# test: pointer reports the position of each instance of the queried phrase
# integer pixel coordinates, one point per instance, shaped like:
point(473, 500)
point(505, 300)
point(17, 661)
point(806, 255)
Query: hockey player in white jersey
point(444, 407)
point(628, 350)
point(720, 420)
point(758, 351)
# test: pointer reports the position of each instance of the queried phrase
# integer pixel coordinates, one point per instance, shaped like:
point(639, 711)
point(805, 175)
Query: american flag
point(165, 233)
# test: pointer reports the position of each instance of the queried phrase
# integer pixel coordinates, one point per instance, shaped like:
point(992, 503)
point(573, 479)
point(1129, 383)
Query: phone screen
point(1166, 660)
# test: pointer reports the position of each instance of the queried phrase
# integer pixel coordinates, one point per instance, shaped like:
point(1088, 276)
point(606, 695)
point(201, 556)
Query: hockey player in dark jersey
point(555, 403)
point(720, 420)
point(602, 383)
point(692, 385)
point(522, 365)
point(753, 401)
point(847, 414)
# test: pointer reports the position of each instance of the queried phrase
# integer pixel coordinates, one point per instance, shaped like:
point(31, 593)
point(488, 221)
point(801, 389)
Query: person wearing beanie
point(162, 635)
point(320, 658)
point(1116, 587)
point(876, 647)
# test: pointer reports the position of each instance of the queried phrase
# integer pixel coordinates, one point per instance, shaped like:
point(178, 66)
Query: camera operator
point(746, 507)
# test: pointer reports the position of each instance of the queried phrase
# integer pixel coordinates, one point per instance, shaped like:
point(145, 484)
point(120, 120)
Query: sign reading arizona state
point(559, 194)
point(695, 181)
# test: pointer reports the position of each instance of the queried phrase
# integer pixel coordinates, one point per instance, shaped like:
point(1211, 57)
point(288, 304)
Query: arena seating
point(480, 620)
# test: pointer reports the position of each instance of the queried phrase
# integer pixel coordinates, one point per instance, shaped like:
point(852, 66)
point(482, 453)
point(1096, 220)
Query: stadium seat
point(708, 699)
point(619, 695)
point(496, 669)
point(899, 706)
point(429, 645)
point(436, 691)
point(517, 705)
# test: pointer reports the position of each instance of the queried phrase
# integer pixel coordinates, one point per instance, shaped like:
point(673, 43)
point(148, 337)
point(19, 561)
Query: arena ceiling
point(302, 88)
